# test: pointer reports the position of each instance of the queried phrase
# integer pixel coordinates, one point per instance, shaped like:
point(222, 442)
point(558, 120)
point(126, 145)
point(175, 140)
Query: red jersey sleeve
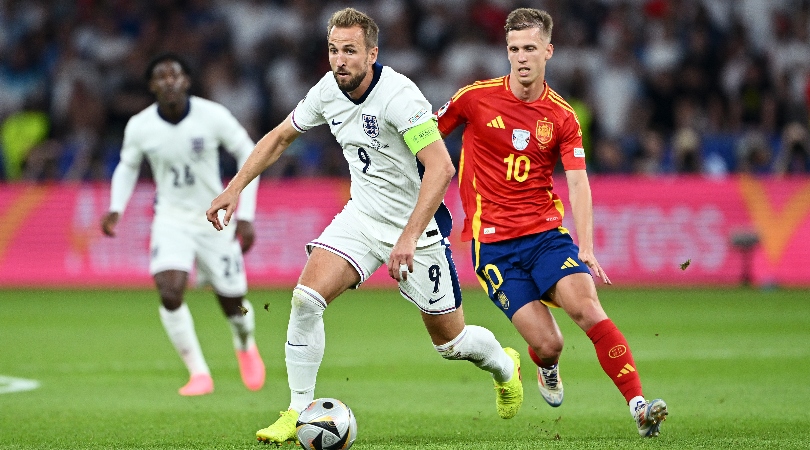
point(572, 153)
point(451, 114)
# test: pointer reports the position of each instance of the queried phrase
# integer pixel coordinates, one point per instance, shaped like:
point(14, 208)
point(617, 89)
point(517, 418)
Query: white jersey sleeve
point(408, 108)
point(309, 111)
point(236, 141)
point(125, 176)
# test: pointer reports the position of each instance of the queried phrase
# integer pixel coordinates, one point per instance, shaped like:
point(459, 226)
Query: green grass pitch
point(733, 365)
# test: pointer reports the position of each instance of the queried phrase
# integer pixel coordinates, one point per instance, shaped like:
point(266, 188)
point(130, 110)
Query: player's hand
point(246, 234)
point(590, 260)
point(108, 223)
point(227, 200)
point(400, 263)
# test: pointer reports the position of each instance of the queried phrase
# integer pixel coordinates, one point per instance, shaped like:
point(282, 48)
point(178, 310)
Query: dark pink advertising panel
point(675, 231)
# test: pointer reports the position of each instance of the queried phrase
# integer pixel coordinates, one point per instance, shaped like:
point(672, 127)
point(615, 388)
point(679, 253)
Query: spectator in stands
point(87, 115)
point(689, 156)
point(129, 96)
point(616, 93)
point(649, 158)
point(794, 155)
point(686, 157)
point(755, 103)
point(754, 154)
point(225, 83)
point(609, 157)
point(19, 134)
point(660, 96)
point(22, 76)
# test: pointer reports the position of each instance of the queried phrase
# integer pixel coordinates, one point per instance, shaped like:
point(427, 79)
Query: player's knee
point(549, 350)
point(170, 298)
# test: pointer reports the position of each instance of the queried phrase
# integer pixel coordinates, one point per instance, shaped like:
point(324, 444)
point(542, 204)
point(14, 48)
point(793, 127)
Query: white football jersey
point(184, 159)
point(385, 175)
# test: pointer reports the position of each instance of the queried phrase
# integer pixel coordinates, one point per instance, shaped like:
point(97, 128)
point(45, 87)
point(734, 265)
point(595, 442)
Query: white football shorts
point(176, 246)
point(433, 286)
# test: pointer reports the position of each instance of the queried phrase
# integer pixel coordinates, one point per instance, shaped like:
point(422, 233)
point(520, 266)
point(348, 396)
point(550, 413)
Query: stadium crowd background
point(661, 86)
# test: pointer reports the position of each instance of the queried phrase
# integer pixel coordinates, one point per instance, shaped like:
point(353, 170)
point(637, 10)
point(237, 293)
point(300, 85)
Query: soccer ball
point(326, 424)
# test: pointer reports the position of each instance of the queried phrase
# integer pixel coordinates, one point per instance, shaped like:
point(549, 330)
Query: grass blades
point(733, 365)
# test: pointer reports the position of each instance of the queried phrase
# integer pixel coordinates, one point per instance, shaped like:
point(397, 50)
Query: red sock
point(615, 358)
point(539, 361)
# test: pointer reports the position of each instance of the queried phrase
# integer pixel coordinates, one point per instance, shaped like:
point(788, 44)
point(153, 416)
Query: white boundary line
point(12, 384)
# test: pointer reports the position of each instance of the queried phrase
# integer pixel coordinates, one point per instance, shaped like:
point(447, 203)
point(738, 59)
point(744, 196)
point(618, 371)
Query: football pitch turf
point(733, 365)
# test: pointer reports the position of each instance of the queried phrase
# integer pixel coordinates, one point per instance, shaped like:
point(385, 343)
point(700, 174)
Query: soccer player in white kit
point(179, 136)
point(400, 170)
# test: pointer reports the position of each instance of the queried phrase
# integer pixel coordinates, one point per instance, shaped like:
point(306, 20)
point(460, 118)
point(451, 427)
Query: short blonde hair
point(350, 17)
point(523, 18)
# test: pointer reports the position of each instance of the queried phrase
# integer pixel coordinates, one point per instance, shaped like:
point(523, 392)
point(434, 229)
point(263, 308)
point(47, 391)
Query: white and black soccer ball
point(326, 424)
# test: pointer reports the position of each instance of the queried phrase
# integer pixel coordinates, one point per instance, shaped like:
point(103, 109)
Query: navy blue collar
point(185, 114)
point(377, 67)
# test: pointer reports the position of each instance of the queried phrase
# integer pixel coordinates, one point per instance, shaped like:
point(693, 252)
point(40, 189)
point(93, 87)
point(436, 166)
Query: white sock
point(306, 341)
point(243, 326)
point(479, 346)
point(179, 325)
point(633, 404)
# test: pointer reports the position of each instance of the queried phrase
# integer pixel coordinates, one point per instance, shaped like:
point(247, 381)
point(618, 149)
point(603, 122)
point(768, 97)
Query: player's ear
point(186, 82)
point(372, 55)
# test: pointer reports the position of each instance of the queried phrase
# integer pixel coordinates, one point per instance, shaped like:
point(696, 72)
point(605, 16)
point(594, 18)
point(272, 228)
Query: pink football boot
point(251, 367)
point(199, 384)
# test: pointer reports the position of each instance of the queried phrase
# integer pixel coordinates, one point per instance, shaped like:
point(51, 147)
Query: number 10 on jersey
point(517, 168)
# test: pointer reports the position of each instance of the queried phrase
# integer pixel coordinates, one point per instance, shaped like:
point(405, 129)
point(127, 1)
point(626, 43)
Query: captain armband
point(422, 135)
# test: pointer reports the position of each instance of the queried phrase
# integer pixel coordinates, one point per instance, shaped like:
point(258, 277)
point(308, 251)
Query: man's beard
point(352, 84)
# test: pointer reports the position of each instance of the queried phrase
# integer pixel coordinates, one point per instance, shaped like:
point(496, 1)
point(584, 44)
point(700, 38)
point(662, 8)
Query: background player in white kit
point(395, 217)
point(179, 136)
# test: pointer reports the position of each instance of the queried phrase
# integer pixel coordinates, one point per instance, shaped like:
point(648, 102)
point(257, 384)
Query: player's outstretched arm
point(579, 195)
point(124, 179)
point(266, 152)
point(439, 172)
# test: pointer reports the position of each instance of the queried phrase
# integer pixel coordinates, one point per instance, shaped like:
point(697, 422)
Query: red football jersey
point(509, 150)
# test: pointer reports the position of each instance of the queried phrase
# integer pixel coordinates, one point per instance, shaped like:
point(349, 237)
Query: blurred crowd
point(660, 86)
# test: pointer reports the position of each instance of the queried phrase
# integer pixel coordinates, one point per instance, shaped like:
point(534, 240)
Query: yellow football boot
point(283, 430)
point(510, 393)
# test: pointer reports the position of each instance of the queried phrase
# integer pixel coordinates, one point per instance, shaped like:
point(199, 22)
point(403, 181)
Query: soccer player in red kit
point(516, 128)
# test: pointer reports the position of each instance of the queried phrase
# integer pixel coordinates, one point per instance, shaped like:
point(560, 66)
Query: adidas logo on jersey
point(569, 263)
point(497, 123)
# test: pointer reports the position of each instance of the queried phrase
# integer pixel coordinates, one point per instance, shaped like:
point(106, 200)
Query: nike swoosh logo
point(431, 301)
point(296, 345)
point(335, 123)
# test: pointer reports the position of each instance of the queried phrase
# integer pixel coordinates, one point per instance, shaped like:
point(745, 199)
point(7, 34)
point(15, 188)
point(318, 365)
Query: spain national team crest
point(520, 139)
point(502, 299)
point(370, 126)
point(545, 131)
